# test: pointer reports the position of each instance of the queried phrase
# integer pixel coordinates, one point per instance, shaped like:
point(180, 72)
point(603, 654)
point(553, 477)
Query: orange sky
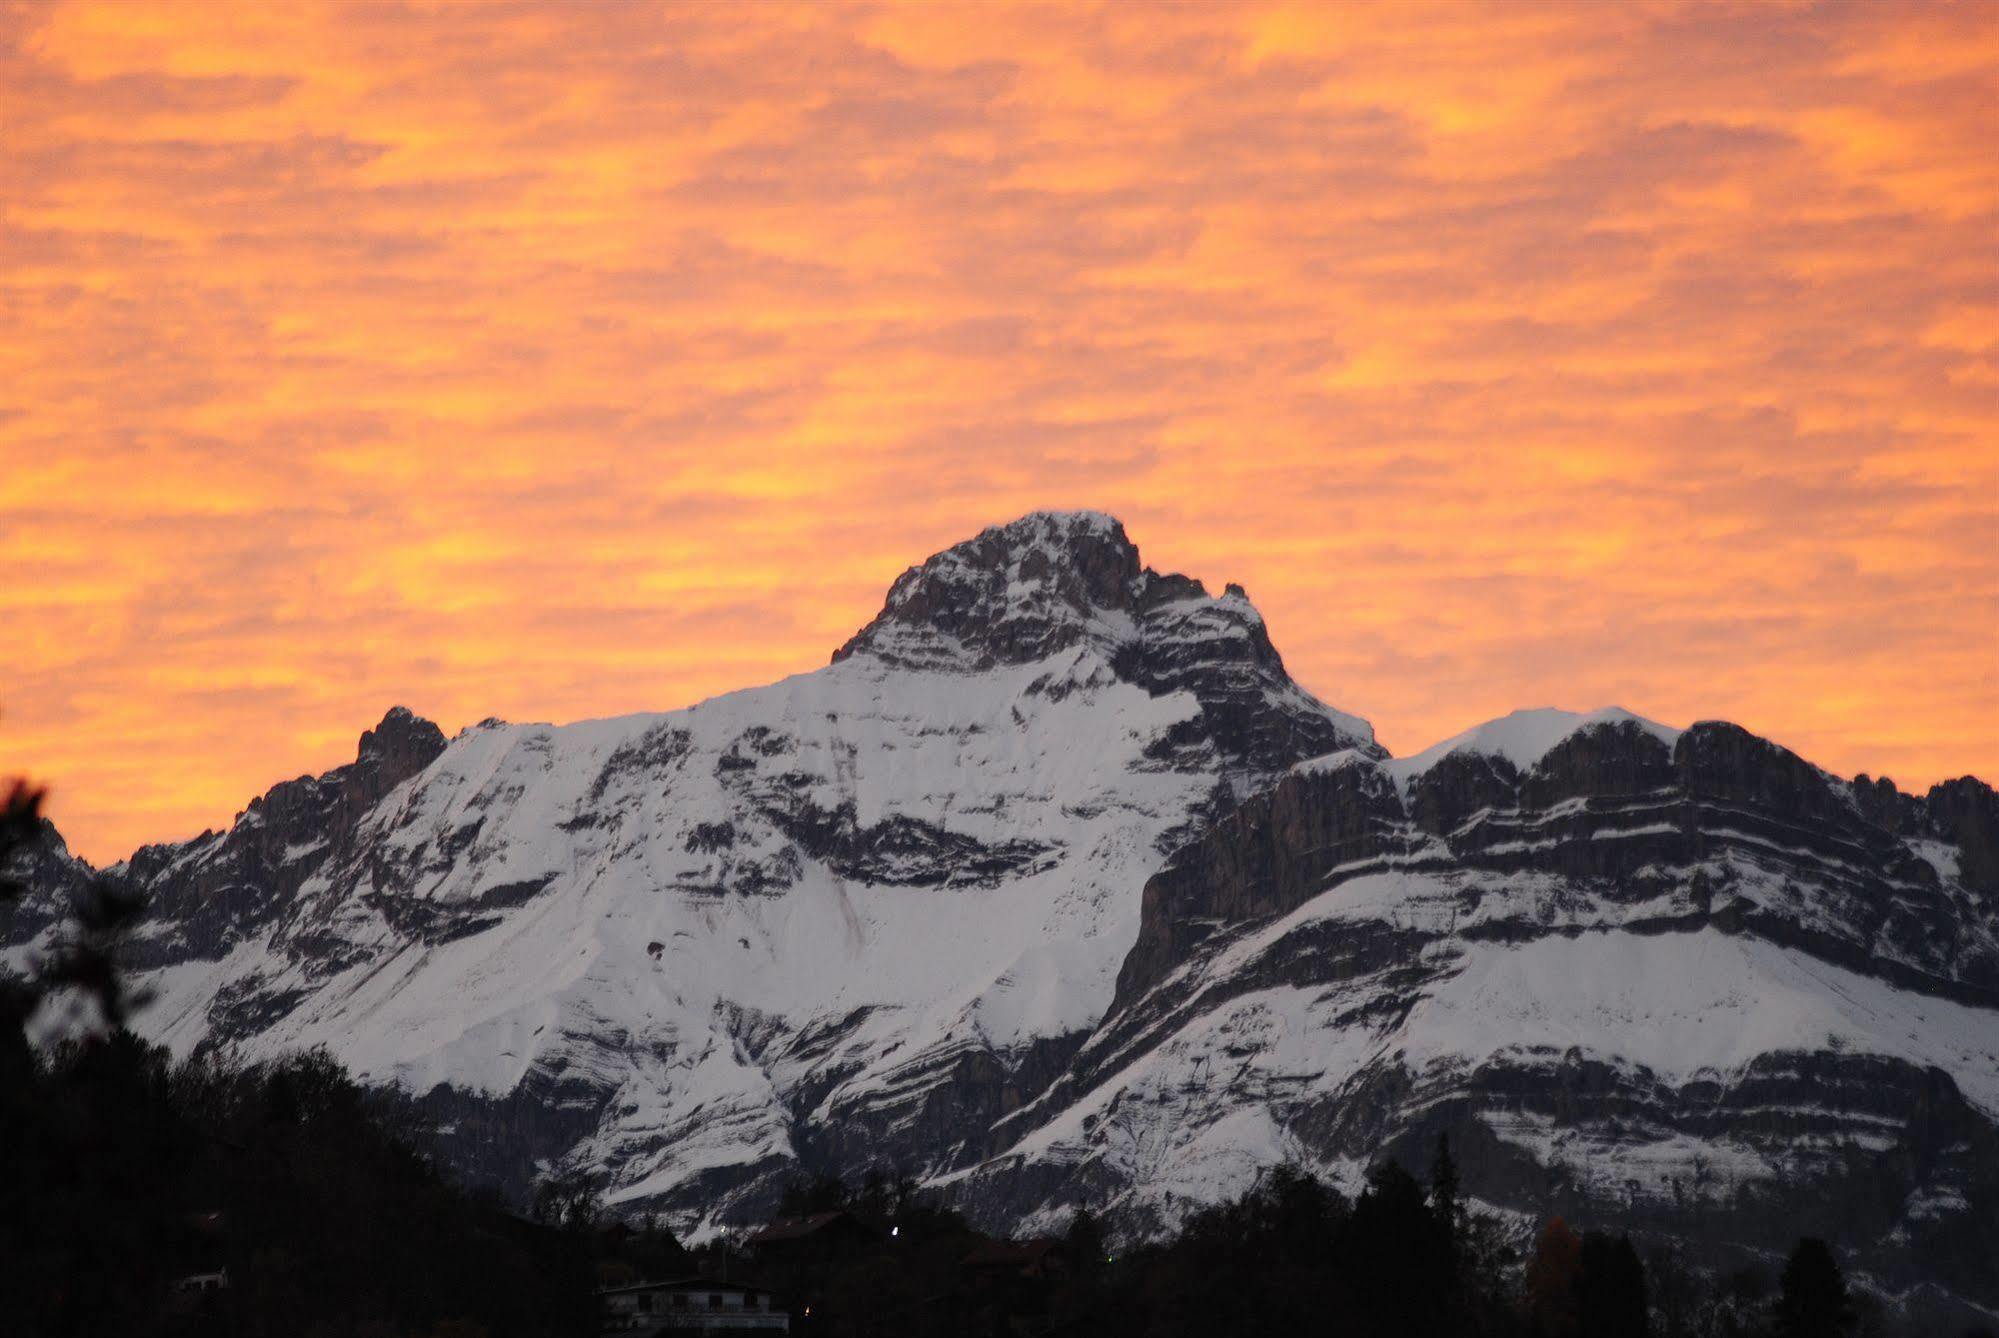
point(553, 362)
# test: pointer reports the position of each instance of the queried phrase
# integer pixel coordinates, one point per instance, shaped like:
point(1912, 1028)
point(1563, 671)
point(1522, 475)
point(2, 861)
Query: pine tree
point(1446, 1199)
point(1085, 1241)
point(1398, 1257)
point(1551, 1278)
point(1610, 1288)
point(1813, 1302)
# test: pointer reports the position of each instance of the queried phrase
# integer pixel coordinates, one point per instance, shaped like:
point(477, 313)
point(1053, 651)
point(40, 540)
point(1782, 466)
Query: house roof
point(798, 1228)
point(1012, 1253)
point(687, 1284)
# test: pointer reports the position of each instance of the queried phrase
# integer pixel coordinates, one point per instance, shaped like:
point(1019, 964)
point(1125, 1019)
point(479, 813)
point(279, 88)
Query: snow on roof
point(691, 1283)
point(1011, 1253)
point(797, 1228)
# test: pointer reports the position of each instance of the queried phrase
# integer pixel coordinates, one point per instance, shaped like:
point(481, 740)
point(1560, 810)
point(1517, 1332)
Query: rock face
point(1679, 982)
point(1053, 886)
point(220, 890)
point(54, 878)
point(1051, 585)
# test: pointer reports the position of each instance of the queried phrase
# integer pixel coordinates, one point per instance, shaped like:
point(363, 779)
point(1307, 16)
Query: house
point(1026, 1259)
point(198, 1294)
point(692, 1305)
point(790, 1236)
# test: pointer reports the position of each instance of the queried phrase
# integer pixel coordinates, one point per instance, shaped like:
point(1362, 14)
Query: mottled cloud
point(552, 361)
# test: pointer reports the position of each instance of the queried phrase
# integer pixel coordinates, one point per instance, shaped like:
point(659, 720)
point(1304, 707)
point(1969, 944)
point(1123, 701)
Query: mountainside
point(1053, 887)
point(852, 916)
point(1671, 981)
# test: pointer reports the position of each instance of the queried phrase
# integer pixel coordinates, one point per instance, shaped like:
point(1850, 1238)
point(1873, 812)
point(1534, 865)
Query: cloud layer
point(569, 360)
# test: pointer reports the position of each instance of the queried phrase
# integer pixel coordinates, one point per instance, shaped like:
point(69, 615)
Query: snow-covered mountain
point(1674, 981)
point(1054, 887)
point(854, 915)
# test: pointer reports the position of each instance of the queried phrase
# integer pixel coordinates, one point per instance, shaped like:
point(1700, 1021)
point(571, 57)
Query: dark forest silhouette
point(125, 1172)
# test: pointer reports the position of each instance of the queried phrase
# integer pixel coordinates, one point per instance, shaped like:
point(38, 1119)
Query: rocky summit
point(1054, 888)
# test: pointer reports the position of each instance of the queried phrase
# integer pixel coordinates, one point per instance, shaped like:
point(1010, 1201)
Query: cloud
point(558, 360)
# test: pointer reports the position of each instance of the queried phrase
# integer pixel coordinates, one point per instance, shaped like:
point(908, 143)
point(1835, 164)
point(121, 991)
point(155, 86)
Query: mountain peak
point(403, 744)
point(1018, 593)
point(1071, 581)
point(1051, 522)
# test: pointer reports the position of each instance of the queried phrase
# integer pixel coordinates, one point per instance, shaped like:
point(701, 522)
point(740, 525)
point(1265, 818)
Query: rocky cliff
point(1679, 982)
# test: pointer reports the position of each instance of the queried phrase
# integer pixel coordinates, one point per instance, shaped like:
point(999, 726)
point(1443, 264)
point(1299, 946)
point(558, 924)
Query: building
point(692, 1305)
point(198, 1296)
point(215, 1280)
point(1026, 1259)
point(789, 1236)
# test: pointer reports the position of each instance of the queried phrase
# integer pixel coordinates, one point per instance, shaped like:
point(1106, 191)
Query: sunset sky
point(550, 362)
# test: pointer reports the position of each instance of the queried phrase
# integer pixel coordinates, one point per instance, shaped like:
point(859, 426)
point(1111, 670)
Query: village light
point(895, 1231)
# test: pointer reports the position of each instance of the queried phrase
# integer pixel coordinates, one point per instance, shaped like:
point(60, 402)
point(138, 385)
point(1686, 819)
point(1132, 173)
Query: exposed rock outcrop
point(1673, 981)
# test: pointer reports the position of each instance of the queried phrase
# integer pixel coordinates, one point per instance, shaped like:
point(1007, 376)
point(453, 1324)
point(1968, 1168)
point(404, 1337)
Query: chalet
point(1025, 1259)
point(198, 1294)
point(790, 1236)
point(692, 1305)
